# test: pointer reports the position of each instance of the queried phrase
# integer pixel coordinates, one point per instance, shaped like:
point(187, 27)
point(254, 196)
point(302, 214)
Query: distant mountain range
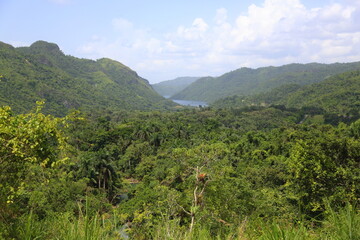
point(339, 94)
point(171, 87)
point(43, 71)
point(247, 81)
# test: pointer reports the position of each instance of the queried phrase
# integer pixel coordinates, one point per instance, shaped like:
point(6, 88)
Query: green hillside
point(43, 71)
point(261, 99)
point(171, 87)
point(336, 96)
point(246, 81)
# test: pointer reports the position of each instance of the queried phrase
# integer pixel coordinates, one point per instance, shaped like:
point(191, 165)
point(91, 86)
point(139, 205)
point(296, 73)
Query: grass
point(66, 226)
point(343, 224)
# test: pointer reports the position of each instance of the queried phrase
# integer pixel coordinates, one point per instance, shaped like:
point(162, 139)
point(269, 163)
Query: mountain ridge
point(337, 95)
point(170, 87)
point(43, 71)
point(247, 81)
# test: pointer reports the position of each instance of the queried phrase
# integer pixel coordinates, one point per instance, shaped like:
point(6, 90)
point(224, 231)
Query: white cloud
point(195, 32)
point(274, 33)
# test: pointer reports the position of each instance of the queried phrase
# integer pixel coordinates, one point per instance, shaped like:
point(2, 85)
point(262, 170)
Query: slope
point(43, 71)
point(339, 94)
point(246, 81)
point(171, 87)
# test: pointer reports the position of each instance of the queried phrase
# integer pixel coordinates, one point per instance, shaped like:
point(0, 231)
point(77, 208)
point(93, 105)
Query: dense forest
point(338, 95)
point(279, 165)
point(42, 71)
point(247, 81)
point(170, 87)
point(193, 174)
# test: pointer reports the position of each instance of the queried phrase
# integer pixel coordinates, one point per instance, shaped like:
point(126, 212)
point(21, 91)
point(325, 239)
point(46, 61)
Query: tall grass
point(66, 226)
point(277, 232)
point(84, 227)
point(338, 225)
point(172, 230)
point(29, 227)
point(343, 224)
point(81, 228)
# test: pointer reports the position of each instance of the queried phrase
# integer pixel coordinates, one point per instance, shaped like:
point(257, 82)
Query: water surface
point(190, 103)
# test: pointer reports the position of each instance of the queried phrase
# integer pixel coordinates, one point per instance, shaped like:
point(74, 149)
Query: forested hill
point(246, 81)
point(339, 94)
point(171, 87)
point(43, 71)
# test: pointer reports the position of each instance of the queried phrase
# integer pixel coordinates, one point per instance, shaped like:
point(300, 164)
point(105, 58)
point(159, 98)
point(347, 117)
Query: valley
point(91, 150)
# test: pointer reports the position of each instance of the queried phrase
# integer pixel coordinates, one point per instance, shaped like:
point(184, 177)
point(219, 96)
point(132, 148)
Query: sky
point(165, 39)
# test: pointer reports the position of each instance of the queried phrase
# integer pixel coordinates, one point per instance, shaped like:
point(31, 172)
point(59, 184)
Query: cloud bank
point(274, 33)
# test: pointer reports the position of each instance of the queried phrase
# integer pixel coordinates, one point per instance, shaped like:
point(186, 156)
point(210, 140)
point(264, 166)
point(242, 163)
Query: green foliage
point(171, 87)
point(343, 224)
point(30, 228)
point(87, 226)
point(42, 71)
point(246, 81)
point(334, 100)
point(276, 232)
point(26, 141)
point(250, 173)
point(318, 164)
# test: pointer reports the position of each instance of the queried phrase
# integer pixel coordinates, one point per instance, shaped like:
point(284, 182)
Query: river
point(188, 102)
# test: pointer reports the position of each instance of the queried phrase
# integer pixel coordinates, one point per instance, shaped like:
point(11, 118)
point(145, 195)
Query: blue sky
point(162, 40)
